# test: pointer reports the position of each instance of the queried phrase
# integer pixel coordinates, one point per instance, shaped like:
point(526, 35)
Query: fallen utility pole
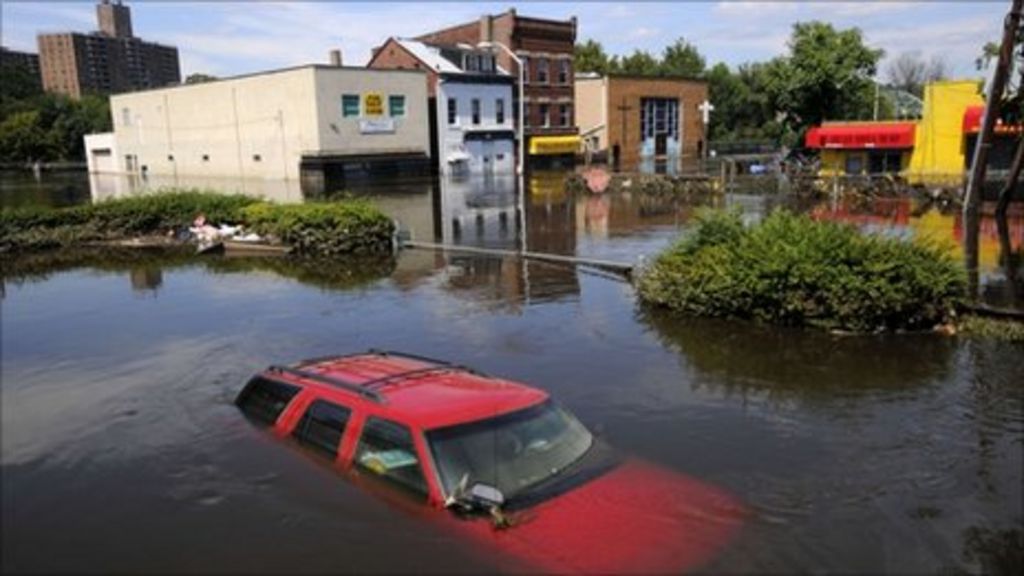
point(618, 267)
point(979, 164)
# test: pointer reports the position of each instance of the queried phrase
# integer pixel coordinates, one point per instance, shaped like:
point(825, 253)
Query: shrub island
point(327, 228)
point(792, 270)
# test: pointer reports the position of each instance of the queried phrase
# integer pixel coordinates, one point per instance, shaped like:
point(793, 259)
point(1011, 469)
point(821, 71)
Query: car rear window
point(386, 450)
point(322, 426)
point(263, 400)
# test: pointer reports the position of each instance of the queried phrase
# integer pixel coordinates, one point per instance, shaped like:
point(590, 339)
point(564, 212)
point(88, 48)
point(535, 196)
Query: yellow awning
point(542, 145)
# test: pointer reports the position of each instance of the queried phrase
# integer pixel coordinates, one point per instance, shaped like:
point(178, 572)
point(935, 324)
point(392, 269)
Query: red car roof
point(424, 392)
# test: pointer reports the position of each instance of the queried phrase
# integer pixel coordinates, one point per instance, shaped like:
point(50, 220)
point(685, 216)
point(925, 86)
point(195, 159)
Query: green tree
point(640, 63)
point(682, 59)
point(989, 52)
point(827, 75)
point(590, 57)
point(22, 139)
point(199, 78)
point(743, 110)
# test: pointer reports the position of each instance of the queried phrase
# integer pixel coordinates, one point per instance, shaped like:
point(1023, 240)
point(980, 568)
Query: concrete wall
point(350, 136)
point(101, 153)
point(592, 109)
point(261, 126)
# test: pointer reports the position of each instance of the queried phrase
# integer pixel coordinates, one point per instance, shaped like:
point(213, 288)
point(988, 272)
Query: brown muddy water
point(122, 451)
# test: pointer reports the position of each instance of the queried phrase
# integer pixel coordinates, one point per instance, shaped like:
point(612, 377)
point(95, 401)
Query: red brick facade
point(392, 56)
point(547, 45)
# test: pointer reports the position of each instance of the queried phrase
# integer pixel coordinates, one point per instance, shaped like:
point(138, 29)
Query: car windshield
point(512, 452)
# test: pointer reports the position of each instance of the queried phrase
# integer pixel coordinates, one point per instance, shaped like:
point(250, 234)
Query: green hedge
point(318, 228)
point(792, 270)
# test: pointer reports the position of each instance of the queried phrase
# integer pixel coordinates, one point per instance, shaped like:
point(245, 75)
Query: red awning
point(972, 122)
point(887, 135)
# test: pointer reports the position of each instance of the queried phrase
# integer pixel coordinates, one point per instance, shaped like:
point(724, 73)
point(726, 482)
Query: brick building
point(24, 60)
point(641, 120)
point(108, 61)
point(546, 47)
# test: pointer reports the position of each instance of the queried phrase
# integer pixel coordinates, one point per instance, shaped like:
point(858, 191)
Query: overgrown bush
point(792, 270)
point(328, 228)
point(317, 228)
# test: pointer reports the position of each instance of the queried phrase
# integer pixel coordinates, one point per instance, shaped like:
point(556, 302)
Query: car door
point(387, 456)
point(322, 427)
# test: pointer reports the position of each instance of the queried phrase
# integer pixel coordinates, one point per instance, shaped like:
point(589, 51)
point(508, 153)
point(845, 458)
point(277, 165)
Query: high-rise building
point(108, 61)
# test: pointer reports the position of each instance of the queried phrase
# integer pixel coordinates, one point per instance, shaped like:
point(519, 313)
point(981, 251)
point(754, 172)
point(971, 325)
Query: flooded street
point(122, 450)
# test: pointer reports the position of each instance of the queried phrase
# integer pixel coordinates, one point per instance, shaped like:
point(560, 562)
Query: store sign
point(381, 126)
point(373, 104)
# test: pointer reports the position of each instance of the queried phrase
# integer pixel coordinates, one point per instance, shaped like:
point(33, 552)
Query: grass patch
point(793, 270)
point(328, 228)
point(992, 328)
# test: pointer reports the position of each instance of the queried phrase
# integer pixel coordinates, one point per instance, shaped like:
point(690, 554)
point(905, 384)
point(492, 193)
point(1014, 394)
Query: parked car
point(498, 461)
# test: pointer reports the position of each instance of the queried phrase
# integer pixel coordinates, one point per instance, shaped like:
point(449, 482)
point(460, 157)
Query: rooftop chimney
point(335, 57)
point(486, 28)
point(114, 18)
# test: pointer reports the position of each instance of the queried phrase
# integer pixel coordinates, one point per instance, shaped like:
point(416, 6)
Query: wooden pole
point(979, 164)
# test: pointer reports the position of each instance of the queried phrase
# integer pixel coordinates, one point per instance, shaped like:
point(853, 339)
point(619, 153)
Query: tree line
point(825, 74)
point(38, 126)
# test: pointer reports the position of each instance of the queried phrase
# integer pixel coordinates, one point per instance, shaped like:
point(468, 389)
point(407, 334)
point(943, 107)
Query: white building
point(475, 113)
point(313, 123)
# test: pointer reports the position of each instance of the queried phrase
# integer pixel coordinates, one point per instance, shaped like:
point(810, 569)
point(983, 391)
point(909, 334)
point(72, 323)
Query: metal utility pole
point(979, 163)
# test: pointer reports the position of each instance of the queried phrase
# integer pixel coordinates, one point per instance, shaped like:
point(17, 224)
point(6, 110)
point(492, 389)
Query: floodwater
point(122, 451)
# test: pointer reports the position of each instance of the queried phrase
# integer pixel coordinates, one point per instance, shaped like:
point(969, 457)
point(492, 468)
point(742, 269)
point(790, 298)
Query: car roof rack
point(359, 389)
point(368, 389)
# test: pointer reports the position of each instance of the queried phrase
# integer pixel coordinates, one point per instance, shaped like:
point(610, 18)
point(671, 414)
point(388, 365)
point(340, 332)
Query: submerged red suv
point(497, 460)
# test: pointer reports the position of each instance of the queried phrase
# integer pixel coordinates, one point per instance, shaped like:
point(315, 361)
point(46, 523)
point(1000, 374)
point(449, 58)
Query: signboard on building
point(373, 104)
point(378, 126)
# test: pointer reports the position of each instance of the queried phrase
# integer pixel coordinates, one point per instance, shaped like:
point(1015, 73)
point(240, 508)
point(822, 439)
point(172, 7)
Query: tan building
point(317, 123)
point(108, 61)
point(641, 120)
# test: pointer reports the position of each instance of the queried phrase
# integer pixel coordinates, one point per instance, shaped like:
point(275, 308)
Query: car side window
point(322, 426)
point(263, 400)
point(386, 450)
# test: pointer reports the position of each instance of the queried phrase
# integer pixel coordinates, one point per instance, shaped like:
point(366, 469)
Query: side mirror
point(486, 494)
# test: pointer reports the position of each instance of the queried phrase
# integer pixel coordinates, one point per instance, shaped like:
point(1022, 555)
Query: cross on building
point(706, 108)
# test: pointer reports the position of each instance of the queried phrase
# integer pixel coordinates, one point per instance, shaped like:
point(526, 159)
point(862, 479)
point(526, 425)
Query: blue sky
point(226, 38)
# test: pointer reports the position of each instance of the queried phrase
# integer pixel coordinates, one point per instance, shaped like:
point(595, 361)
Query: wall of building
point(263, 125)
point(255, 126)
point(356, 136)
point(592, 111)
point(939, 143)
point(496, 155)
point(625, 91)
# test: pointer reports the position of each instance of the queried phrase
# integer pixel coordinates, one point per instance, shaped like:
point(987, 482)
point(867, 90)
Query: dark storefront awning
point(887, 135)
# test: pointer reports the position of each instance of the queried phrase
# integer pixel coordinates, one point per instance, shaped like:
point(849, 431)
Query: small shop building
point(320, 124)
point(932, 151)
point(641, 121)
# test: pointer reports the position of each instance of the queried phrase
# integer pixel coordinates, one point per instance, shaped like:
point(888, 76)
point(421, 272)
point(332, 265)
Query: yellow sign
point(543, 145)
point(373, 104)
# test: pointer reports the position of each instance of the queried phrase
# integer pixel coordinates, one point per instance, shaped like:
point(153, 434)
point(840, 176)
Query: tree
point(989, 52)
point(743, 110)
point(590, 57)
point(911, 73)
point(827, 75)
point(199, 78)
point(682, 59)
point(640, 63)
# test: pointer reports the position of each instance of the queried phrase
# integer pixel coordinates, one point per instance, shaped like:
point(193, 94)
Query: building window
point(542, 71)
point(487, 63)
point(564, 71)
point(453, 111)
point(126, 117)
point(386, 452)
point(206, 157)
point(526, 69)
point(349, 105)
point(396, 106)
point(499, 111)
point(257, 158)
point(475, 106)
point(563, 114)
point(545, 119)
